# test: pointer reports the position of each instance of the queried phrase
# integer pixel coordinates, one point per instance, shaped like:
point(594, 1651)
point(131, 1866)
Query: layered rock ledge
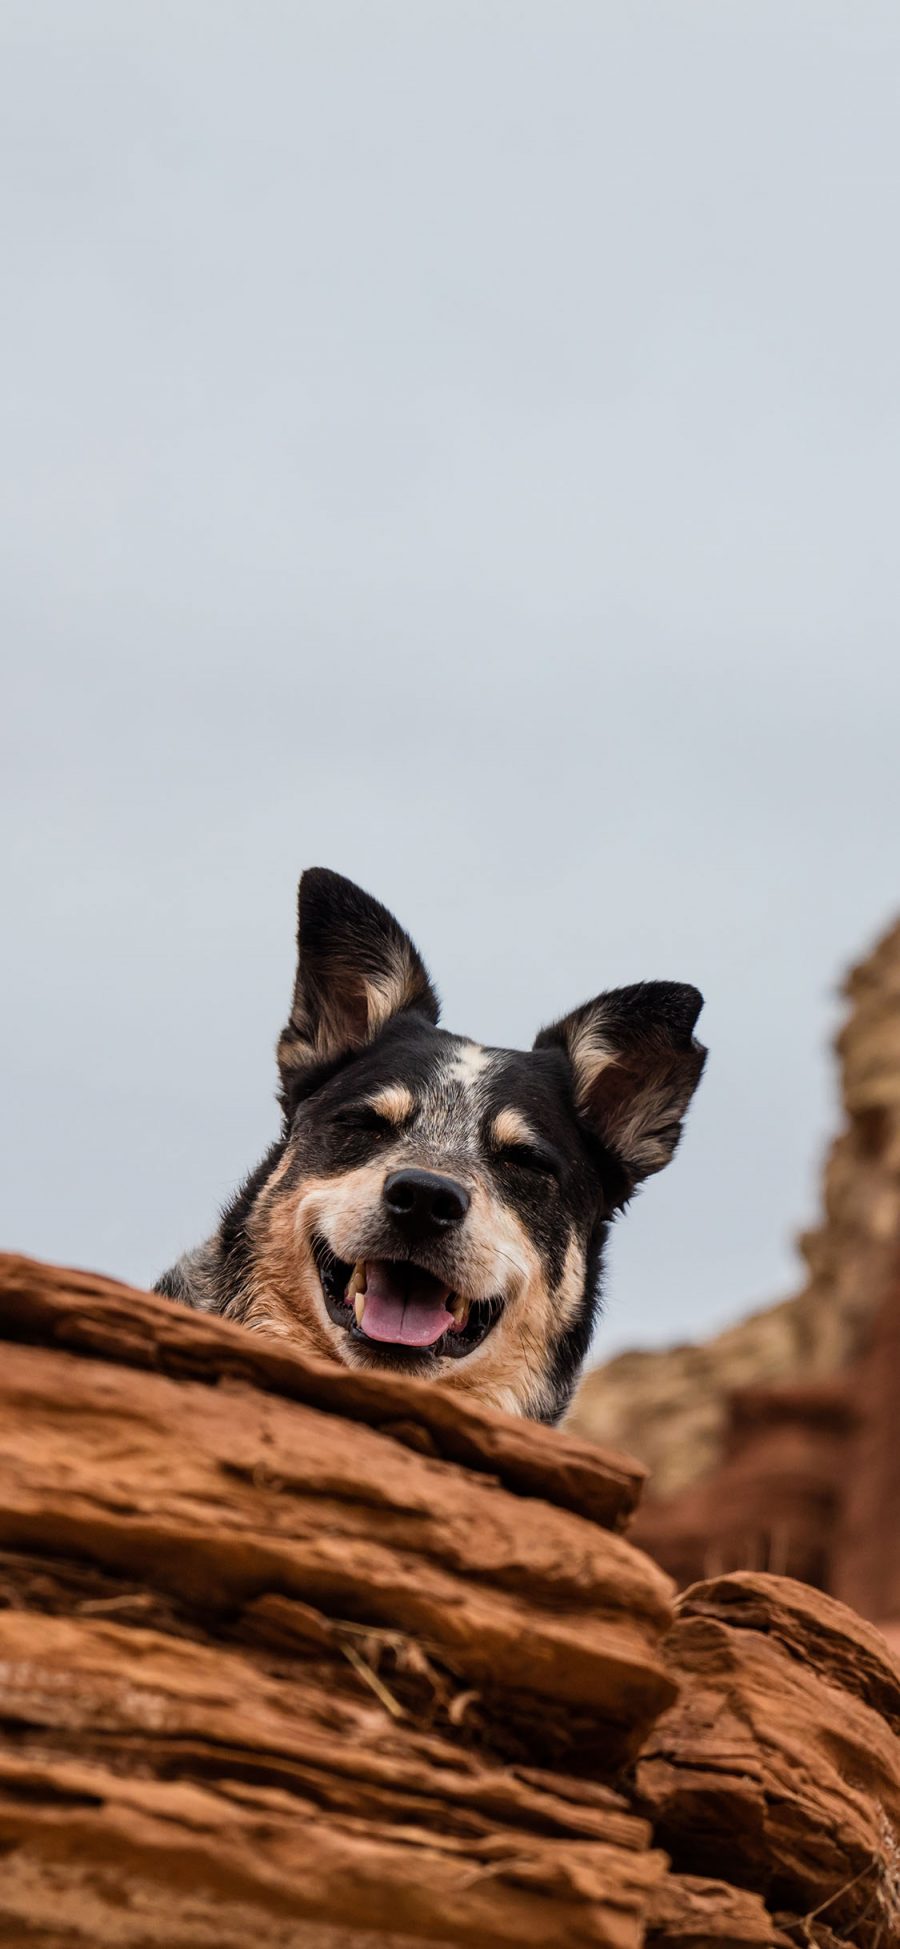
point(297, 1656)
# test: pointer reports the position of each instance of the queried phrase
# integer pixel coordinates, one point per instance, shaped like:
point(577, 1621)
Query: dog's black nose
point(423, 1201)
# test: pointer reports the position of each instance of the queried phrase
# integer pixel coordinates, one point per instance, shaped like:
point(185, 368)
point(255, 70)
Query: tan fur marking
point(510, 1127)
point(589, 1057)
point(510, 1370)
point(285, 1297)
point(570, 1291)
point(395, 1103)
point(386, 999)
point(497, 1260)
point(636, 1133)
point(362, 1010)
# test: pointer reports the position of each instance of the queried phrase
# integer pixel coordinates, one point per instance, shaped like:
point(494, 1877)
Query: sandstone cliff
point(296, 1657)
point(672, 1408)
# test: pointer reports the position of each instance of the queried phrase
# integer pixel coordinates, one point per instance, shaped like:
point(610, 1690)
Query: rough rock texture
point(672, 1408)
point(866, 1569)
point(265, 1663)
point(291, 1656)
point(781, 1754)
point(690, 1912)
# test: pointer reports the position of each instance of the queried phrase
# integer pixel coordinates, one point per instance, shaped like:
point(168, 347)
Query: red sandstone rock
point(673, 1408)
point(688, 1912)
point(774, 1447)
point(290, 1657)
point(87, 1313)
point(274, 1667)
point(866, 1558)
point(774, 1502)
point(781, 1756)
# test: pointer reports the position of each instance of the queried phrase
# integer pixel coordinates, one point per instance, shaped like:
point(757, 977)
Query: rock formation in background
point(773, 1445)
point(295, 1656)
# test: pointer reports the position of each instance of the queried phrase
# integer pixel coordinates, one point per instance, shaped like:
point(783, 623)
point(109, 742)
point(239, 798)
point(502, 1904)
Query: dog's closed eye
point(365, 1119)
point(532, 1157)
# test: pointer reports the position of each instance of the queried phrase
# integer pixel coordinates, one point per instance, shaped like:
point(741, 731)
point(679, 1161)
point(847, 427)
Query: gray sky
point(455, 441)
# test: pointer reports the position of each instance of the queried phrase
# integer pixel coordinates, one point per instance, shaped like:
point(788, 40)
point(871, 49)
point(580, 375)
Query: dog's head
point(440, 1207)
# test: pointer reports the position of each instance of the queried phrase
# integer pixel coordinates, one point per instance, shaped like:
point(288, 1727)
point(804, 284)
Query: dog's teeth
point(357, 1282)
point(356, 1289)
point(459, 1307)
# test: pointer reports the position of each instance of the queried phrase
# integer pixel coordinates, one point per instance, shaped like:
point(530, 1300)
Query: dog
point(434, 1206)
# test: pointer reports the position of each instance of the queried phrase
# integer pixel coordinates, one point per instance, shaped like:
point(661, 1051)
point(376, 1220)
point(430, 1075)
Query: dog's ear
point(635, 1066)
point(356, 968)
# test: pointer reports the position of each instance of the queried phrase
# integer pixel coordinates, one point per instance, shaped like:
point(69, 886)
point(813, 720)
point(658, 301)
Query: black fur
point(596, 1105)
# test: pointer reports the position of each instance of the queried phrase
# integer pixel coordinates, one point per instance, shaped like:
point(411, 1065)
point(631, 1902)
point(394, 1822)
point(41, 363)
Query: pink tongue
point(411, 1314)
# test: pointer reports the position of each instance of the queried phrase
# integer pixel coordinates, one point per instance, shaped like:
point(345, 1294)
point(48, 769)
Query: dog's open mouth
point(394, 1304)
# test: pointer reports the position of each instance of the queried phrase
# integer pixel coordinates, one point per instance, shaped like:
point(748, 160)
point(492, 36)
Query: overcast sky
point(454, 441)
